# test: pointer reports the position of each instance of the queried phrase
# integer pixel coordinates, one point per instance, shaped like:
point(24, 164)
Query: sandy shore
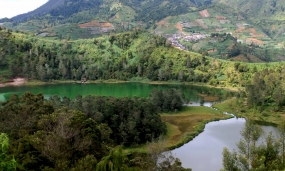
point(14, 82)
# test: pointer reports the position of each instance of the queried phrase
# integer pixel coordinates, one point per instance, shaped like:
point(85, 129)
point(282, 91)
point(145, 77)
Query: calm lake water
point(204, 153)
point(117, 90)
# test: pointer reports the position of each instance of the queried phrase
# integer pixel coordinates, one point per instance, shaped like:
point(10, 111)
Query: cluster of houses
point(175, 42)
point(175, 39)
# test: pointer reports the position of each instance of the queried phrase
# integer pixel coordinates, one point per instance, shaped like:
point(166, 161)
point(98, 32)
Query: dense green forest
point(132, 55)
point(88, 133)
point(260, 27)
point(73, 134)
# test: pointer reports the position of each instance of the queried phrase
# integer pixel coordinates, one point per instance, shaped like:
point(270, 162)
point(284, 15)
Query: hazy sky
point(11, 8)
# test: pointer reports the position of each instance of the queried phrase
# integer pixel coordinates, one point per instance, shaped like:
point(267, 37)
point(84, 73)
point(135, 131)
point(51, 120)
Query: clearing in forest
point(254, 33)
point(188, 121)
point(240, 58)
point(204, 13)
point(179, 26)
point(212, 50)
point(96, 23)
point(163, 24)
point(202, 23)
point(254, 41)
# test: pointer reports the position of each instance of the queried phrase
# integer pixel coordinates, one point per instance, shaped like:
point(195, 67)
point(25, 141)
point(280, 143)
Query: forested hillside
point(123, 56)
point(269, 9)
point(82, 133)
point(122, 14)
point(257, 25)
point(133, 56)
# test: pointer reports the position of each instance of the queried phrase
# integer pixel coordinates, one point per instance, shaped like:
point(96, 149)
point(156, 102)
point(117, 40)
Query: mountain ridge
point(253, 23)
point(45, 8)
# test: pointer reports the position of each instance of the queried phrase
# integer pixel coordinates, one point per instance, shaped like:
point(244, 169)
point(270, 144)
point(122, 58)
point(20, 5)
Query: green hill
point(134, 56)
point(122, 14)
point(257, 25)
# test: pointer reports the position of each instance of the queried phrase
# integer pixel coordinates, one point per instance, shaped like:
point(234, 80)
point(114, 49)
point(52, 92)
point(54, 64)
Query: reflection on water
point(117, 90)
point(2, 98)
point(207, 104)
point(204, 152)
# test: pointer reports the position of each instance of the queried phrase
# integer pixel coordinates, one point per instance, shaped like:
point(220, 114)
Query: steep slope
point(62, 17)
point(260, 9)
point(47, 7)
point(129, 56)
point(254, 22)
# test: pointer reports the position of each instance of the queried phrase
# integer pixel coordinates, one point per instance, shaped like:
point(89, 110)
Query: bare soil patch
point(240, 30)
point(178, 26)
point(254, 33)
point(14, 82)
point(212, 50)
point(231, 46)
point(254, 58)
point(96, 23)
point(240, 58)
point(254, 41)
point(220, 17)
point(162, 23)
point(204, 13)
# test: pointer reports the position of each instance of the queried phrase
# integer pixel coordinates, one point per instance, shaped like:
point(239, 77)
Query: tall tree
point(7, 163)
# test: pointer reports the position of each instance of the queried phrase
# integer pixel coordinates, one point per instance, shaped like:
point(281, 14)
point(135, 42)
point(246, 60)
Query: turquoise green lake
point(107, 89)
point(202, 153)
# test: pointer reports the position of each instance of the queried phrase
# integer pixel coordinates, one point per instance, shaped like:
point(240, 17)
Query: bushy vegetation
point(6, 161)
point(122, 56)
point(126, 56)
point(262, 98)
point(67, 134)
point(252, 155)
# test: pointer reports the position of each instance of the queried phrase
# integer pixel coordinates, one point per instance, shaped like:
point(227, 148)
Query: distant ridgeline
point(256, 27)
point(136, 12)
point(62, 17)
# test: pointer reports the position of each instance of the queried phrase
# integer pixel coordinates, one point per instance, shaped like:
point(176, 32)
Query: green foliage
point(266, 88)
point(167, 100)
point(250, 156)
point(135, 12)
point(125, 116)
point(57, 135)
point(229, 160)
point(158, 158)
point(7, 163)
point(115, 161)
point(247, 146)
point(122, 56)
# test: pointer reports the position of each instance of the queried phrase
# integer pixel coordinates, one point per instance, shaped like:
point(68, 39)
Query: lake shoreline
point(111, 81)
point(14, 82)
point(197, 117)
point(267, 116)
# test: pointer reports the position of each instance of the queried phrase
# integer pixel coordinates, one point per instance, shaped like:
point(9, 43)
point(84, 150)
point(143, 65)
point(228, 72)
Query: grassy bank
point(267, 114)
point(37, 82)
point(183, 126)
